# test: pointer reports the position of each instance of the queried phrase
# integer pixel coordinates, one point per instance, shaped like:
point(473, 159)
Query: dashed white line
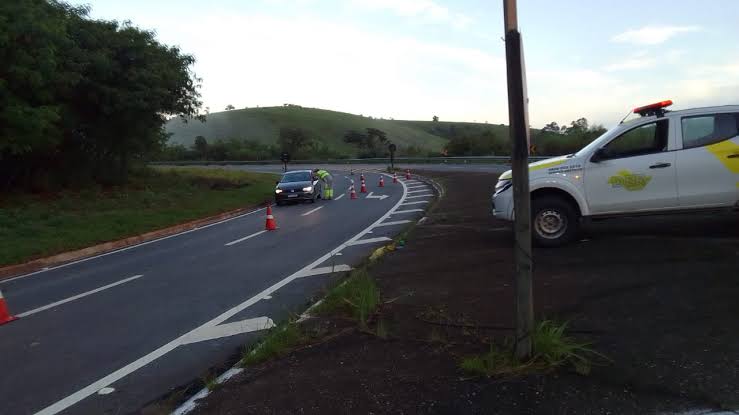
point(340, 196)
point(78, 296)
point(245, 238)
point(370, 241)
point(311, 211)
point(397, 222)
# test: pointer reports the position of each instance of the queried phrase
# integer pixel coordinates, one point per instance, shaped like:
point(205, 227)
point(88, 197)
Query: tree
point(201, 146)
point(435, 118)
point(552, 127)
point(293, 140)
point(82, 99)
point(230, 107)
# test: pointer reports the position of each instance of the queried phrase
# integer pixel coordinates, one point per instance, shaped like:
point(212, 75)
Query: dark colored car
point(298, 185)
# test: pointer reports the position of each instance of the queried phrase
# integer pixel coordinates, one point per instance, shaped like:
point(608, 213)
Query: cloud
point(426, 11)
point(652, 35)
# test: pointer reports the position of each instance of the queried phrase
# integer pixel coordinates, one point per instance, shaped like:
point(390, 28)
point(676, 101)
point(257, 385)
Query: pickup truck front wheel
point(554, 221)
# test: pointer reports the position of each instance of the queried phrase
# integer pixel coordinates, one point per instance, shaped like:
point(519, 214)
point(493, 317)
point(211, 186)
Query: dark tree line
point(81, 100)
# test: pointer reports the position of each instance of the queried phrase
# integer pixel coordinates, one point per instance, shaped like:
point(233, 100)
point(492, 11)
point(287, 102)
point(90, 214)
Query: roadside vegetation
point(357, 297)
point(278, 341)
point(36, 225)
point(552, 349)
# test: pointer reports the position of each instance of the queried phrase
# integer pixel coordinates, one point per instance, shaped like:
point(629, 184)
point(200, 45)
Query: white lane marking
point(412, 181)
point(229, 329)
point(381, 197)
point(370, 241)
point(340, 196)
point(191, 403)
point(417, 196)
point(416, 186)
point(311, 211)
point(325, 270)
point(119, 374)
point(414, 203)
point(77, 297)
point(418, 191)
point(407, 211)
point(106, 391)
point(130, 247)
point(397, 222)
point(245, 238)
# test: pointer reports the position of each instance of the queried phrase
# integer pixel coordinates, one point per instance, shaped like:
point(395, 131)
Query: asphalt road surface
point(109, 334)
point(442, 167)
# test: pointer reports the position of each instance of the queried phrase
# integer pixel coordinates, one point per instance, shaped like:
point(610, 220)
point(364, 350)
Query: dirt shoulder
point(658, 297)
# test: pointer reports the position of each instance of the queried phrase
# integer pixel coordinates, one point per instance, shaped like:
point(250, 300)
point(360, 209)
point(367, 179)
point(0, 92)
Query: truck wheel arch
point(557, 192)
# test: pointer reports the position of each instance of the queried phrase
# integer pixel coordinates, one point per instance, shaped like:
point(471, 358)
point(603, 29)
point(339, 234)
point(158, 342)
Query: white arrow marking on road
point(78, 296)
point(324, 270)
point(381, 197)
point(228, 329)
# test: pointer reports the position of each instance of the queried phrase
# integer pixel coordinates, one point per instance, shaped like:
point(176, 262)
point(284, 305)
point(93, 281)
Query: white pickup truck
point(664, 161)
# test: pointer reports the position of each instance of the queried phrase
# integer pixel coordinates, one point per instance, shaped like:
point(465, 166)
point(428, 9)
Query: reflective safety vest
point(322, 173)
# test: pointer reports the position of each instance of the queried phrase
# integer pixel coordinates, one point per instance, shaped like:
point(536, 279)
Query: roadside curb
point(11, 271)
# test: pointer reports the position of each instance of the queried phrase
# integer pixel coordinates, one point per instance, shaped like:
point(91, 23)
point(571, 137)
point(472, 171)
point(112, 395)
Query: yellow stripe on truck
point(507, 175)
point(722, 151)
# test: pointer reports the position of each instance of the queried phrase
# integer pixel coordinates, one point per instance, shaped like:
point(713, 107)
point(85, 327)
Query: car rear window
point(703, 130)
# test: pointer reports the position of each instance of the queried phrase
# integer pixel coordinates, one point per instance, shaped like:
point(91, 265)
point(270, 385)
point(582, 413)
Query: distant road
point(471, 167)
point(114, 332)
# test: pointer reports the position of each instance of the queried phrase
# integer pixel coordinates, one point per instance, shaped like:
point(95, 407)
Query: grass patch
point(552, 349)
point(33, 226)
point(277, 342)
point(357, 297)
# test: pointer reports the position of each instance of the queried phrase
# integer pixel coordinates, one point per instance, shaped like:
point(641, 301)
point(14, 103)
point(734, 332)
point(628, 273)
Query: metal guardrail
point(377, 160)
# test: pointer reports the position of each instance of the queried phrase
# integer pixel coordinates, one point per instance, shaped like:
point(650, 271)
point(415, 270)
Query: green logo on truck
point(629, 181)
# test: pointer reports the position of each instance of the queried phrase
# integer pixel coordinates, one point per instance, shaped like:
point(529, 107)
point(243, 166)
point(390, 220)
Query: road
point(114, 332)
point(448, 167)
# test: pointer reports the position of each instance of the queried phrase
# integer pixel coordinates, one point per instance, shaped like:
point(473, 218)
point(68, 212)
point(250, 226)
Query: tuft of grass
point(277, 342)
point(37, 225)
point(357, 297)
point(211, 382)
point(381, 329)
point(552, 349)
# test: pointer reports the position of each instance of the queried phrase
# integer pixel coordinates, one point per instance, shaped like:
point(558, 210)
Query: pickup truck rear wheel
point(554, 221)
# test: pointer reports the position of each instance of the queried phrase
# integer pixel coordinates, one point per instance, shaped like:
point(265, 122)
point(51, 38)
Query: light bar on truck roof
point(651, 109)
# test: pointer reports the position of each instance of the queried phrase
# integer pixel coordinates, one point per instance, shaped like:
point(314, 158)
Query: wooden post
point(519, 133)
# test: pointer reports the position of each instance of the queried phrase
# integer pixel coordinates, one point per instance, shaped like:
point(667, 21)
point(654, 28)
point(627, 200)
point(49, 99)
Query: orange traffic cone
point(363, 188)
point(407, 174)
point(353, 193)
point(5, 316)
point(395, 177)
point(271, 225)
point(382, 182)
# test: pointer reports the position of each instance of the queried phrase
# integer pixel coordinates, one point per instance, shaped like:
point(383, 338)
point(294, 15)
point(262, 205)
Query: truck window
point(646, 139)
point(703, 130)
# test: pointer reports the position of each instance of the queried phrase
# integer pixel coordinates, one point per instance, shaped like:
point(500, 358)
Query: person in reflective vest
point(328, 181)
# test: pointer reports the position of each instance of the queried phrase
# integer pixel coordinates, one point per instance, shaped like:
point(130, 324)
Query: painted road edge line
point(119, 374)
point(130, 247)
point(311, 211)
point(77, 297)
point(245, 238)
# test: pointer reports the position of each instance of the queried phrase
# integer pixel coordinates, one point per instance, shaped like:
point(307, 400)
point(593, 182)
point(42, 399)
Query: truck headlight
point(503, 185)
point(308, 189)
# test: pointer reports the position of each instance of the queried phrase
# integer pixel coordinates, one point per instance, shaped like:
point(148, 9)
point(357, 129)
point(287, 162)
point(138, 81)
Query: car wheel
point(554, 221)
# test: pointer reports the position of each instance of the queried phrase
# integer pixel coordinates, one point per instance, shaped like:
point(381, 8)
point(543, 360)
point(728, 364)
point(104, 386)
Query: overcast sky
point(412, 59)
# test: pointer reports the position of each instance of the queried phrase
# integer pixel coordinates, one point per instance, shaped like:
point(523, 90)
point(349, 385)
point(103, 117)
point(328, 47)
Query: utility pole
point(519, 133)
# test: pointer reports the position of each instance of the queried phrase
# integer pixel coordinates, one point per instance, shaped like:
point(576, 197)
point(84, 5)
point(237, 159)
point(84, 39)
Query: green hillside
point(263, 125)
